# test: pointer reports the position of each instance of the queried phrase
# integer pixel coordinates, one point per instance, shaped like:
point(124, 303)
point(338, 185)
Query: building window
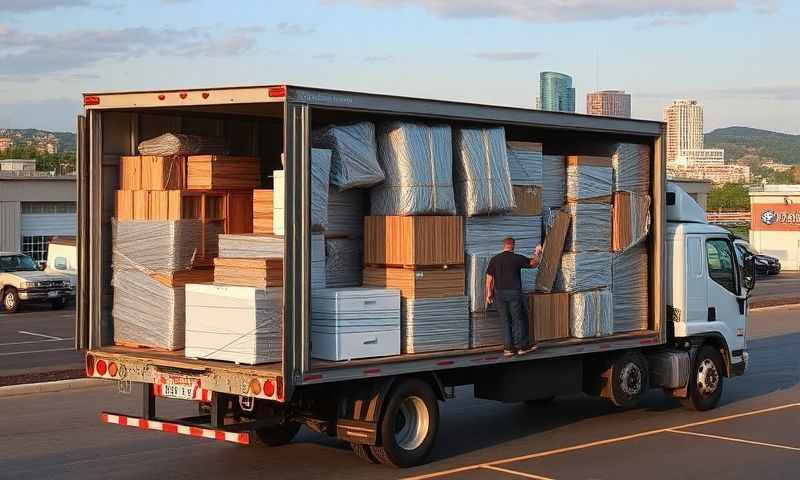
point(48, 207)
point(36, 247)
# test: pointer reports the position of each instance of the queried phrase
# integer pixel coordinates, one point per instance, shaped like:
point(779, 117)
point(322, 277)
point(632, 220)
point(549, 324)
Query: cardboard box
point(631, 220)
point(413, 241)
point(141, 205)
point(249, 272)
point(149, 172)
point(434, 283)
point(551, 252)
point(548, 316)
point(263, 204)
point(528, 200)
point(209, 172)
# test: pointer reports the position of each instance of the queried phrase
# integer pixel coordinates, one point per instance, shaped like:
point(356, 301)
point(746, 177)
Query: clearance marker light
point(276, 92)
point(91, 100)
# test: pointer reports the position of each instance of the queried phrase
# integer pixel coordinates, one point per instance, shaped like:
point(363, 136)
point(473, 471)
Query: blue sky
point(739, 58)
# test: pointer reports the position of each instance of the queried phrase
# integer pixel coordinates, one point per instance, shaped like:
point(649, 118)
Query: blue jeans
point(513, 313)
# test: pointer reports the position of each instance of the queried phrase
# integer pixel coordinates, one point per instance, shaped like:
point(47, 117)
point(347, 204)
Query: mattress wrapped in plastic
point(590, 228)
point(486, 329)
point(354, 159)
point(146, 312)
point(629, 280)
point(182, 144)
point(631, 163)
point(481, 178)
point(258, 246)
point(525, 163)
point(418, 162)
point(158, 245)
point(476, 280)
point(591, 314)
point(588, 182)
point(486, 234)
point(434, 324)
point(346, 211)
point(343, 262)
point(320, 176)
point(584, 271)
point(554, 181)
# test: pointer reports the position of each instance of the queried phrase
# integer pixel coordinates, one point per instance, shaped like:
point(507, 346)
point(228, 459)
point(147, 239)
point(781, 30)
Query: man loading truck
point(504, 284)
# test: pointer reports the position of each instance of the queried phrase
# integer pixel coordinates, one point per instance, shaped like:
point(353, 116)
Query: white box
point(234, 324)
point(350, 323)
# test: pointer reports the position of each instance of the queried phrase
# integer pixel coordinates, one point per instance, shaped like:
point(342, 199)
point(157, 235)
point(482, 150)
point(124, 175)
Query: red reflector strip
point(91, 100)
point(372, 370)
point(445, 363)
point(192, 431)
point(647, 342)
point(310, 378)
point(276, 92)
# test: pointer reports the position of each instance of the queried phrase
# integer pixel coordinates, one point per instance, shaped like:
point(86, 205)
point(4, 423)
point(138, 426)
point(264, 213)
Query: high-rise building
point(684, 120)
point(556, 93)
point(609, 103)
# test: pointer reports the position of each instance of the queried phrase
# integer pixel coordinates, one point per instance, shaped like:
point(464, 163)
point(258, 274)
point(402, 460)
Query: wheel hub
point(411, 424)
point(707, 377)
point(631, 379)
point(9, 300)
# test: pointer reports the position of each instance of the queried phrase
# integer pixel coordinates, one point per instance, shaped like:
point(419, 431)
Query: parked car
point(21, 281)
point(765, 264)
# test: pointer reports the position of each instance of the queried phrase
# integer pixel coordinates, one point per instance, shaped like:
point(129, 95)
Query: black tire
point(705, 380)
point(627, 379)
point(278, 435)
point(10, 300)
point(57, 304)
point(540, 402)
point(364, 453)
point(409, 425)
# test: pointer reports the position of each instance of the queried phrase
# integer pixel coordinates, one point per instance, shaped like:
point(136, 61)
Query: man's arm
point(489, 289)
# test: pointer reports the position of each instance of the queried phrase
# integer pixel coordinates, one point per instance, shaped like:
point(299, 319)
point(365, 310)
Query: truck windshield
point(17, 263)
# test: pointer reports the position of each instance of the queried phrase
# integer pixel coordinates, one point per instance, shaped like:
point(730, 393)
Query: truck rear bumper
point(193, 427)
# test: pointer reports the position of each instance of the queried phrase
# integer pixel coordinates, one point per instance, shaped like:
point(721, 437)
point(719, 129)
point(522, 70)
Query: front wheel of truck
point(409, 424)
point(278, 435)
point(705, 380)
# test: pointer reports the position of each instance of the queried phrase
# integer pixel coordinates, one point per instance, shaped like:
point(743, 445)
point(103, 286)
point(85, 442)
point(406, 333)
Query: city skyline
point(609, 103)
point(556, 93)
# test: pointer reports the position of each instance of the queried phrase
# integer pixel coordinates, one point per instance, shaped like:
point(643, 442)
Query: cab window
point(720, 258)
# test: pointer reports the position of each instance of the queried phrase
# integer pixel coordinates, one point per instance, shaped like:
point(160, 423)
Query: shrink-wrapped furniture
point(320, 174)
point(554, 181)
point(486, 234)
point(343, 262)
point(346, 211)
point(631, 164)
point(589, 179)
point(630, 288)
point(354, 154)
point(631, 220)
point(434, 324)
point(160, 246)
point(591, 313)
point(590, 227)
point(525, 163)
point(584, 271)
point(481, 178)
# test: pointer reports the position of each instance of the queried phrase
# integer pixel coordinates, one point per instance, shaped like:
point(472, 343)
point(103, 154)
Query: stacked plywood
point(251, 272)
point(263, 205)
point(589, 179)
point(548, 316)
point(413, 241)
point(631, 220)
point(149, 172)
point(210, 172)
point(431, 283)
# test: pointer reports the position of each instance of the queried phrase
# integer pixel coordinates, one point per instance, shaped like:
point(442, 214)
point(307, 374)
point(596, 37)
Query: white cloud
point(286, 28)
point(508, 56)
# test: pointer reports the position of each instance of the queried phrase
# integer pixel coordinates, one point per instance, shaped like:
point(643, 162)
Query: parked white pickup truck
point(22, 282)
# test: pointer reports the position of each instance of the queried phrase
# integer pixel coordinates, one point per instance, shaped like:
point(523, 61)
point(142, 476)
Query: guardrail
point(728, 217)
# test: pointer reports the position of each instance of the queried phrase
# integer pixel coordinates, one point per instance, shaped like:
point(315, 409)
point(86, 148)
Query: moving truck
point(388, 408)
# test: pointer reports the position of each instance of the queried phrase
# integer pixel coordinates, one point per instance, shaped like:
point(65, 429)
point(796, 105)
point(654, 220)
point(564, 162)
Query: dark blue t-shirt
point(505, 268)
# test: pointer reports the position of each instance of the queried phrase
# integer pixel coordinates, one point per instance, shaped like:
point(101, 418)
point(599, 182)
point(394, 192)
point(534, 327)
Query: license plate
point(182, 388)
point(52, 294)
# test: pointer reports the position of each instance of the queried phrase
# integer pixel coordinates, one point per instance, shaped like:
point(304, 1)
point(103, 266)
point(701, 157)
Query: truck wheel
point(626, 379)
point(10, 300)
point(363, 452)
point(409, 425)
point(705, 380)
point(57, 304)
point(278, 435)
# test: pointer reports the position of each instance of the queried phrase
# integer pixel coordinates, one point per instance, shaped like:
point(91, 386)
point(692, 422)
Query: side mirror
point(41, 265)
point(749, 272)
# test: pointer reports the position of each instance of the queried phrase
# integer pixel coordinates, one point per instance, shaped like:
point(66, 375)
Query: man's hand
point(537, 256)
point(489, 298)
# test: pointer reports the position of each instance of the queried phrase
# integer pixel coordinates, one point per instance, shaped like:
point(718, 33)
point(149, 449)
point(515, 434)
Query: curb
point(49, 387)
point(768, 306)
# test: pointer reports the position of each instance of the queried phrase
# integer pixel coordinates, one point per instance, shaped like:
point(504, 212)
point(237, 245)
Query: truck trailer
point(387, 408)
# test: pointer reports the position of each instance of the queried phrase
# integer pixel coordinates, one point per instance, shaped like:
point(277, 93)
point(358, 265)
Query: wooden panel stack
point(630, 220)
point(548, 316)
point(429, 283)
point(528, 199)
point(589, 179)
point(210, 172)
point(413, 241)
point(147, 172)
point(249, 272)
point(181, 278)
point(263, 204)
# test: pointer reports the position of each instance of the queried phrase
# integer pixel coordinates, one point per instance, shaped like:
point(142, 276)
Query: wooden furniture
point(429, 283)
point(214, 172)
point(413, 241)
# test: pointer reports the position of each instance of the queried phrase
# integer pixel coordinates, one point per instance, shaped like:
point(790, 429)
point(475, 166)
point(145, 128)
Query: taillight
point(255, 387)
point(101, 367)
point(91, 100)
point(276, 92)
point(112, 369)
point(269, 388)
point(89, 365)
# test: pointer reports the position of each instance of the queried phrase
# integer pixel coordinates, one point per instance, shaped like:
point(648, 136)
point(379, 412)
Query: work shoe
point(527, 350)
point(508, 353)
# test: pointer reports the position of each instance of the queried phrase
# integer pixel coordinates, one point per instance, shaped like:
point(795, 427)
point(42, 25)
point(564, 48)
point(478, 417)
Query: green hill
point(753, 146)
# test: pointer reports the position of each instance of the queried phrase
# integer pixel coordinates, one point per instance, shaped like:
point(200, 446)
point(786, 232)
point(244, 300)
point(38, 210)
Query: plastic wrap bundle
point(486, 234)
point(629, 280)
point(631, 163)
point(343, 262)
point(525, 163)
point(631, 220)
point(548, 217)
point(554, 181)
point(259, 246)
point(346, 212)
point(434, 324)
point(590, 228)
point(588, 181)
point(591, 314)
point(147, 312)
point(584, 271)
point(486, 329)
point(180, 144)
point(354, 162)
point(155, 245)
point(320, 176)
point(251, 332)
point(482, 181)
point(418, 162)
point(476, 280)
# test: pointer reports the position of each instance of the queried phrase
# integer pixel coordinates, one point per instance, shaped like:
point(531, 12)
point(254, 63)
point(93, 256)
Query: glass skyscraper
point(556, 93)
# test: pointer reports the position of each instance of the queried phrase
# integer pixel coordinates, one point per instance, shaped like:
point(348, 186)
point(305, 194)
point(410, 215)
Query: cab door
point(727, 303)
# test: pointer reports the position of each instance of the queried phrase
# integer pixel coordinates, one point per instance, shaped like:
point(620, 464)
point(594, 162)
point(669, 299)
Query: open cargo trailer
point(348, 398)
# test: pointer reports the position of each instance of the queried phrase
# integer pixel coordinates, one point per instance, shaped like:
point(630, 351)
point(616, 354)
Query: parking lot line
point(733, 439)
point(50, 337)
point(7, 354)
point(597, 443)
point(514, 472)
point(27, 342)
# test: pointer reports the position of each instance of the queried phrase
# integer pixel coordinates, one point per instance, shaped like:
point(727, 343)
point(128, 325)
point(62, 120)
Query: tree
point(45, 162)
point(731, 196)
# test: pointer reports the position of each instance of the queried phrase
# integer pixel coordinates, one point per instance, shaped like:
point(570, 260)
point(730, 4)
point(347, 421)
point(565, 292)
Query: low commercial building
point(775, 222)
point(33, 210)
